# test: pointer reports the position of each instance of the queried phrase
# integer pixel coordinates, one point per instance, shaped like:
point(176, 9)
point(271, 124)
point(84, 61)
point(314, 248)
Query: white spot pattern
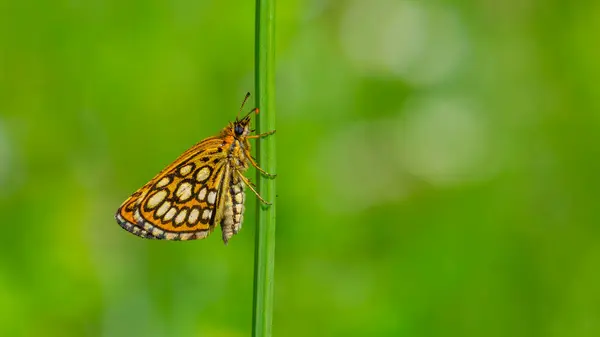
point(212, 196)
point(180, 218)
point(184, 192)
point(194, 213)
point(156, 199)
point(206, 214)
point(170, 214)
point(202, 194)
point(163, 209)
point(202, 174)
point(185, 170)
point(163, 182)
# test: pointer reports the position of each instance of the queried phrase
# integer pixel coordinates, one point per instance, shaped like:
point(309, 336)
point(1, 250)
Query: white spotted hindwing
point(183, 201)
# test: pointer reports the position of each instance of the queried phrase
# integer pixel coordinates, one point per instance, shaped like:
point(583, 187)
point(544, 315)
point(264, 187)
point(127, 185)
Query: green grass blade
point(264, 258)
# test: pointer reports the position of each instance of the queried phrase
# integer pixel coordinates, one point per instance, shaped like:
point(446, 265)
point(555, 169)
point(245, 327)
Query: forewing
point(181, 202)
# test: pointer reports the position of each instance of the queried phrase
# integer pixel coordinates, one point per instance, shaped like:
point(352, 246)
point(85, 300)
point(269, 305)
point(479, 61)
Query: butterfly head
point(241, 128)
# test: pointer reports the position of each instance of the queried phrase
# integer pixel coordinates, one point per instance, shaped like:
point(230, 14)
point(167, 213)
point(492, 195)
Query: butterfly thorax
point(236, 143)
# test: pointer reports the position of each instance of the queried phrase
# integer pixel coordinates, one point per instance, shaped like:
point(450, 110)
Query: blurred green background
point(438, 167)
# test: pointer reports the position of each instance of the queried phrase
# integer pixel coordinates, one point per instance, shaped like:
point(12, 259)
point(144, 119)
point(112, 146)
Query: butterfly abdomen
point(233, 212)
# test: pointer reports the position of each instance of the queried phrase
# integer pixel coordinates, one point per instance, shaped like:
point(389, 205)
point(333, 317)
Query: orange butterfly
point(202, 188)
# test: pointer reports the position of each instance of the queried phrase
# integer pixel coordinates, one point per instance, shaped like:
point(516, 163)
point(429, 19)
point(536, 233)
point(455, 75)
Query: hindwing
point(183, 201)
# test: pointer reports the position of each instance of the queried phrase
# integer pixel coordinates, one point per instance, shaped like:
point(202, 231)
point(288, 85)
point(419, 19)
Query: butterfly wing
point(182, 201)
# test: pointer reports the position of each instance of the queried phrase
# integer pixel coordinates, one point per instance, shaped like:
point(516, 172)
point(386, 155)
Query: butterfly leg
point(251, 186)
point(262, 135)
point(253, 162)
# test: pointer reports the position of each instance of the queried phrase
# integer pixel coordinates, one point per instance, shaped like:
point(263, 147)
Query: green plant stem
point(264, 257)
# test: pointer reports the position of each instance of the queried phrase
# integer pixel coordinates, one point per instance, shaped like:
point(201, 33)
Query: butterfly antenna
point(255, 110)
point(243, 102)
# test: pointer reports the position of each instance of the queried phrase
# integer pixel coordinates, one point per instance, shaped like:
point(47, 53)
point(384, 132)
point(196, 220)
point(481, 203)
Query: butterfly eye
point(239, 130)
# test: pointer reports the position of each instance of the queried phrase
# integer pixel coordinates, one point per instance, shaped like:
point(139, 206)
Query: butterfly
point(200, 189)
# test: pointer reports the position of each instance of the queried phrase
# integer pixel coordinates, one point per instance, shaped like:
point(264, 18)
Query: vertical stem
point(264, 258)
